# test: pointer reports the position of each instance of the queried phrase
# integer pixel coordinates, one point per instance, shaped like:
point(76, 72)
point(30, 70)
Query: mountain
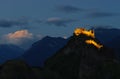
point(83, 57)
point(9, 51)
point(106, 35)
point(115, 44)
point(35, 56)
point(110, 37)
point(79, 59)
point(49, 45)
point(43, 49)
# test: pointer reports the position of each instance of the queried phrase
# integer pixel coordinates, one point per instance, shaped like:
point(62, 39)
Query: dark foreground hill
point(78, 59)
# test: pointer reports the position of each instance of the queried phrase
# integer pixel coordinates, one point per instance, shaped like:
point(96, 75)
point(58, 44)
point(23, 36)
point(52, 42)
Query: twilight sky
point(36, 18)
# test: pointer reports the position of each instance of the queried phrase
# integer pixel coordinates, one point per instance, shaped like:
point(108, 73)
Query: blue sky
point(57, 17)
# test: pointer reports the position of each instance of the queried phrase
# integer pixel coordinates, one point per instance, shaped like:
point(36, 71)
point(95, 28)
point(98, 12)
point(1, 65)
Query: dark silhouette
point(76, 60)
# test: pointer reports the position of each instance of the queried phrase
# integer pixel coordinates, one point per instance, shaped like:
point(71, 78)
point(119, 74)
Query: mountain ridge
point(43, 49)
point(77, 59)
point(9, 51)
point(55, 43)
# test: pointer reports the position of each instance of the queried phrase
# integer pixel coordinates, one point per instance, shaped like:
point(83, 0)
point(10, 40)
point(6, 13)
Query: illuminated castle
point(79, 31)
point(89, 33)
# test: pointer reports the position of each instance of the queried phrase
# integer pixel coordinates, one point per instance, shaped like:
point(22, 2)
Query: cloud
point(69, 9)
point(20, 34)
point(18, 37)
point(6, 23)
point(23, 23)
point(101, 26)
point(59, 21)
point(101, 14)
point(22, 38)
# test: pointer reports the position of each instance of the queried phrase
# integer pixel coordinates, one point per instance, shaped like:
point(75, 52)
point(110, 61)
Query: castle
point(89, 33)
